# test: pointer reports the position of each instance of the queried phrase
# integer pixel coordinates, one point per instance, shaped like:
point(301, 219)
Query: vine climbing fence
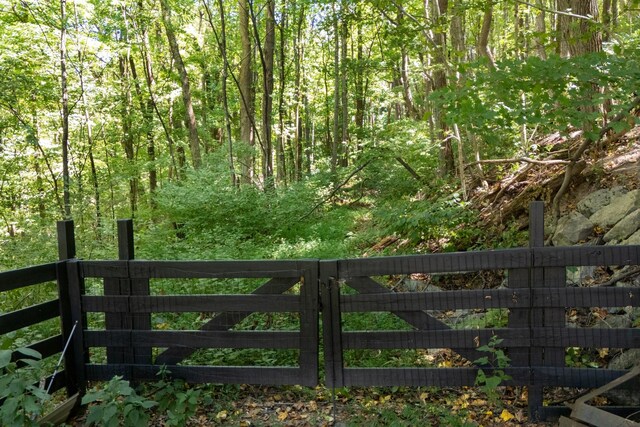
point(316, 320)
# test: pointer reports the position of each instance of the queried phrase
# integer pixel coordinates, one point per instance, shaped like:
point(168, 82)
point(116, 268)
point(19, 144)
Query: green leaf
point(29, 352)
point(5, 358)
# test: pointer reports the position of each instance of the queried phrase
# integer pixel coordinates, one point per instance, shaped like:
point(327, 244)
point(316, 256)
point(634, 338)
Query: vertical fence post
point(536, 280)
point(67, 251)
point(331, 324)
point(139, 287)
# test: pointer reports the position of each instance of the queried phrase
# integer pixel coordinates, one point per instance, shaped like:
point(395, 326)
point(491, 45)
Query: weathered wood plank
point(445, 300)
point(214, 269)
point(573, 377)
point(29, 276)
point(192, 339)
point(201, 374)
point(583, 337)
point(518, 279)
point(586, 297)
point(599, 417)
point(434, 339)
point(67, 324)
point(586, 255)
point(309, 340)
point(555, 278)
point(113, 269)
point(29, 316)
point(77, 356)
point(331, 324)
point(192, 303)
point(435, 263)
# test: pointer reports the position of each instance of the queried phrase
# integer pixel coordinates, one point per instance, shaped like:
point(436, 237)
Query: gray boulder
point(622, 396)
point(597, 200)
point(572, 229)
point(633, 240)
point(619, 207)
point(625, 228)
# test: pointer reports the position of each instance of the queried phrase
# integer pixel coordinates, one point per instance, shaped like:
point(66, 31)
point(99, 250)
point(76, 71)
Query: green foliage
point(580, 358)
point(23, 401)
point(418, 220)
point(553, 95)
point(498, 360)
point(118, 404)
point(176, 398)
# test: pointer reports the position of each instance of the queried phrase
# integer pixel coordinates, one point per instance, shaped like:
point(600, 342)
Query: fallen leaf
point(282, 415)
point(506, 415)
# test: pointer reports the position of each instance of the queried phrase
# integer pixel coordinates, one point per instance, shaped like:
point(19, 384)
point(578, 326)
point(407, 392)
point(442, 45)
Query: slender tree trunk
point(246, 92)
point(359, 80)
point(485, 31)
point(127, 131)
point(194, 140)
point(298, 52)
point(336, 90)
point(344, 100)
point(267, 99)
point(541, 31)
point(281, 171)
point(66, 193)
point(266, 59)
point(447, 163)
point(222, 44)
point(563, 23)
point(151, 107)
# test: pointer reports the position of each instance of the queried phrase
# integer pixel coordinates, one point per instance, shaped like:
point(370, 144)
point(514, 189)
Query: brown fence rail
point(384, 305)
point(16, 320)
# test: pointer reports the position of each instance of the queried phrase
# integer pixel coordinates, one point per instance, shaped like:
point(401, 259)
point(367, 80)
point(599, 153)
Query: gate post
point(140, 287)
point(67, 251)
point(331, 324)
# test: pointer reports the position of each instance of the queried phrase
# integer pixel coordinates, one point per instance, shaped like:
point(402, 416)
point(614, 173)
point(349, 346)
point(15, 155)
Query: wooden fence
point(118, 307)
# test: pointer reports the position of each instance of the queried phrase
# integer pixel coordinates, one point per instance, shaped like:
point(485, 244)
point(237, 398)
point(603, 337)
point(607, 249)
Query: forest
point(267, 121)
point(289, 129)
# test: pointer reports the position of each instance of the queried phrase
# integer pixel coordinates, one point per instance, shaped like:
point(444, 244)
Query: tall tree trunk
point(585, 38)
point(221, 39)
point(358, 85)
point(127, 131)
point(563, 24)
point(541, 31)
point(281, 171)
point(298, 57)
point(246, 92)
point(585, 35)
point(344, 100)
point(485, 31)
point(267, 99)
point(66, 193)
point(336, 90)
point(447, 162)
point(266, 59)
point(190, 116)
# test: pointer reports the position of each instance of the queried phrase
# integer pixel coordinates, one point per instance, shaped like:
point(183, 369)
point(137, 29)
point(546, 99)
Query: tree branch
point(335, 190)
point(518, 160)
